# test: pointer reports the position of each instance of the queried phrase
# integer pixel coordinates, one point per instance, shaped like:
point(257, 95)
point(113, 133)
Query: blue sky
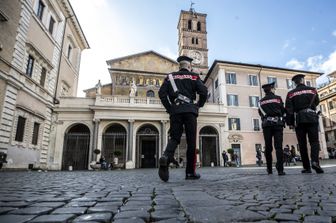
point(299, 34)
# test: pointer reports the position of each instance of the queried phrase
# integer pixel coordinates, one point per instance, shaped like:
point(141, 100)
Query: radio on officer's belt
point(180, 97)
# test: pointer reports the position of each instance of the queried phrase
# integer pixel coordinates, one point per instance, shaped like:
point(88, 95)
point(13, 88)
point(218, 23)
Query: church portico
point(138, 131)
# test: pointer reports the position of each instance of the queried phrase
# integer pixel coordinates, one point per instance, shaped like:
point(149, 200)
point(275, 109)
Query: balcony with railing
point(127, 102)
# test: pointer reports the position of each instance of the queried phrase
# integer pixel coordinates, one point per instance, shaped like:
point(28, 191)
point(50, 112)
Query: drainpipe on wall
point(56, 101)
point(260, 91)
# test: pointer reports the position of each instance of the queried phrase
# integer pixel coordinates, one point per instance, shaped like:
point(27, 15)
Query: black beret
point(298, 76)
point(268, 86)
point(181, 58)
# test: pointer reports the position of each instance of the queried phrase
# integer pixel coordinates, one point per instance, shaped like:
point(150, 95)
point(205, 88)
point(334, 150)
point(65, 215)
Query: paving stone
point(280, 210)
point(165, 207)
point(136, 208)
point(215, 214)
point(14, 204)
point(116, 203)
point(32, 210)
point(57, 218)
point(129, 220)
point(83, 199)
point(4, 210)
point(104, 209)
point(130, 214)
point(319, 219)
point(81, 204)
point(161, 215)
point(70, 210)
point(48, 204)
point(173, 220)
point(100, 217)
point(329, 207)
point(327, 213)
point(287, 217)
point(15, 218)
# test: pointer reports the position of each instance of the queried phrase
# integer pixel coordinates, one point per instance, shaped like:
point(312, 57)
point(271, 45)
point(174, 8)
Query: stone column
point(95, 139)
point(222, 141)
point(130, 139)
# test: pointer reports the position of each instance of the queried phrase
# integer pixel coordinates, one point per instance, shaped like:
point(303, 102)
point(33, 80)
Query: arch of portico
point(76, 149)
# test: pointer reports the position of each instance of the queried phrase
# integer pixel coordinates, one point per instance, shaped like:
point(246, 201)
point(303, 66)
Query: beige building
point(40, 46)
point(126, 120)
point(327, 95)
point(237, 87)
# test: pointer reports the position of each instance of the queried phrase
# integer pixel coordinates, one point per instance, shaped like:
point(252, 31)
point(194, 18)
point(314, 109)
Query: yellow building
point(41, 43)
point(327, 95)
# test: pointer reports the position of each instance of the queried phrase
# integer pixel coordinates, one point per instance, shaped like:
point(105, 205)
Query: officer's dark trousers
point(275, 132)
point(189, 122)
point(310, 129)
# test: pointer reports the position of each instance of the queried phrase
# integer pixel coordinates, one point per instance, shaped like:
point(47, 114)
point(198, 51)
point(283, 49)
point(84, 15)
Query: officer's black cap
point(184, 58)
point(268, 86)
point(297, 77)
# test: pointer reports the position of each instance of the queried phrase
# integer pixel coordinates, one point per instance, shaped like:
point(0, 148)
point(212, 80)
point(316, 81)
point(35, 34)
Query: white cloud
point(316, 63)
point(285, 45)
point(334, 33)
point(295, 64)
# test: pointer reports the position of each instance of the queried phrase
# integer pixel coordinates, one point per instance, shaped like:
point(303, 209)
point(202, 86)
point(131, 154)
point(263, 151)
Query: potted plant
point(116, 153)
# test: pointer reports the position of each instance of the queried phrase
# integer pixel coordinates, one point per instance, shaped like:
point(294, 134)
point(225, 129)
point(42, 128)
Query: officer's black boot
point(306, 171)
point(192, 176)
point(317, 167)
point(164, 168)
point(281, 173)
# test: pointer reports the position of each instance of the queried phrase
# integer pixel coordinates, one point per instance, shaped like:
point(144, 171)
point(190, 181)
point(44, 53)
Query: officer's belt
point(273, 119)
point(309, 110)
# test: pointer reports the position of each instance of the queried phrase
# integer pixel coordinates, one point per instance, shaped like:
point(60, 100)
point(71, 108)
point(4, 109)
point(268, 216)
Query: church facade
point(126, 120)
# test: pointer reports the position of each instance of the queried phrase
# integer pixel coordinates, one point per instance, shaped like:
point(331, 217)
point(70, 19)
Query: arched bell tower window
point(196, 40)
point(198, 26)
point(193, 40)
point(189, 24)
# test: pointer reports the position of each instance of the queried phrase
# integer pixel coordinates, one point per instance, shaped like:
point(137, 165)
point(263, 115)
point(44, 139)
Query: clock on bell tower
point(192, 39)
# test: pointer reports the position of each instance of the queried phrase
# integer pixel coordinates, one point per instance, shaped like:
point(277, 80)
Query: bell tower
point(192, 39)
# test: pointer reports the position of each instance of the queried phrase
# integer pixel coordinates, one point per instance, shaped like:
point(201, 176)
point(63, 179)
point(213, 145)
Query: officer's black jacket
point(188, 84)
point(272, 105)
point(298, 99)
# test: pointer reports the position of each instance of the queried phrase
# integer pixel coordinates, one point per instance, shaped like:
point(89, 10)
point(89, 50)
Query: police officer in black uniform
point(271, 111)
point(183, 111)
point(301, 104)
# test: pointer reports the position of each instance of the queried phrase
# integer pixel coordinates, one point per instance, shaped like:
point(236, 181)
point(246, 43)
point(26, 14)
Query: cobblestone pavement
point(221, 195)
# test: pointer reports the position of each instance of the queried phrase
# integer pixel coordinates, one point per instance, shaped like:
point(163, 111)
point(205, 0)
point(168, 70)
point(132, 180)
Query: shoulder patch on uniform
point(185, 76)
point(296, 93)
point(274, 100)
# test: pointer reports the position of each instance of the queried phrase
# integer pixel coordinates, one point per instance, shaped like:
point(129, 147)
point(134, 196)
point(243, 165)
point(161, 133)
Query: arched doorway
point(209, 146)
point(147, 146)
point(76, 148)
point(114, 144)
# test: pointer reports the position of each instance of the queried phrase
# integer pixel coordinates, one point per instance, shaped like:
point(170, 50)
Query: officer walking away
point(271, 111)
point(301, 104)
point(178, 94)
